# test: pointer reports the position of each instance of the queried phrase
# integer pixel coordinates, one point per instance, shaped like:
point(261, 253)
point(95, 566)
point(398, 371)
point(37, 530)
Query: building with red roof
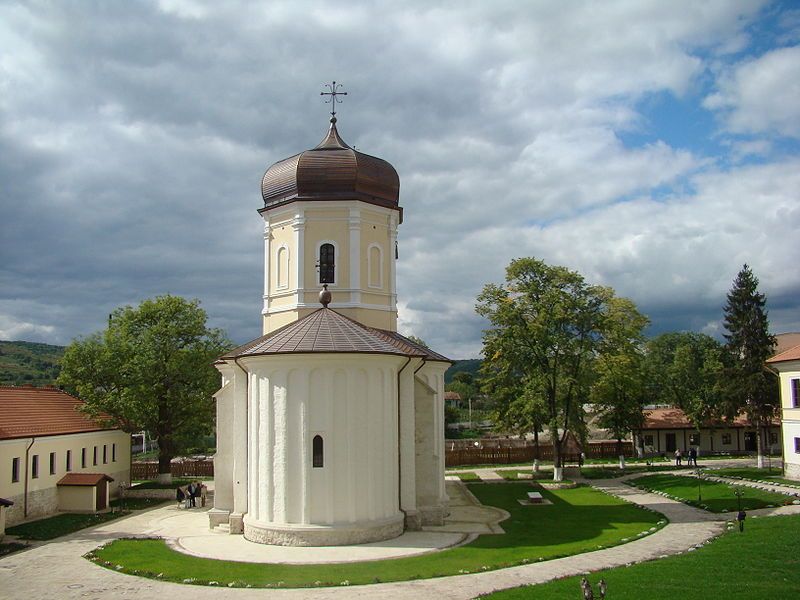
point(46, 439)
point(786, 363)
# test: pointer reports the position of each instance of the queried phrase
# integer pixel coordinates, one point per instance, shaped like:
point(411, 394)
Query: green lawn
point(468, 476)
point(773, 476)
point(716, 497)
point(513, 474)
point(579, 520)
point(58, 525)
point(763, 562)
point(154, 485)
point(613, 472)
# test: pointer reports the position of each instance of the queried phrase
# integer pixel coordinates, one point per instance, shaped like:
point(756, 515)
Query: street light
point(699, 474)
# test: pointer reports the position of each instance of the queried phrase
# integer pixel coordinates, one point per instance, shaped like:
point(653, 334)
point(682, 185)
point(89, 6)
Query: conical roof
point(331, 171)
point(327, 331)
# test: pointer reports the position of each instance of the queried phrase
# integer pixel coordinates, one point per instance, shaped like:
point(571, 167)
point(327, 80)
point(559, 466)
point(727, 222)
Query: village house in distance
point(54, 458)
point(330, 427)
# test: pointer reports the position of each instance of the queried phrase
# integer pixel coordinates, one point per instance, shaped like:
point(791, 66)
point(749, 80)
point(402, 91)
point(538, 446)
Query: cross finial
point(334, 91)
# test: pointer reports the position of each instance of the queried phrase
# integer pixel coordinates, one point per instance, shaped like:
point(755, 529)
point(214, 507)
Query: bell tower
point(331, 216)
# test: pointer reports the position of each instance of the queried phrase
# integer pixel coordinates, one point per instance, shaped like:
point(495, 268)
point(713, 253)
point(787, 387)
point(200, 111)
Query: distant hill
point(29, 362)
point(470, 365)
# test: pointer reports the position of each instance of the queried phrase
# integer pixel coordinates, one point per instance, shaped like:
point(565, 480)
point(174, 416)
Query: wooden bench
point(535, 498)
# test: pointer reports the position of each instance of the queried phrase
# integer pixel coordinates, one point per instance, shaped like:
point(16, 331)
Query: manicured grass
point(773, 476)
point(513, 475)
point(578, 520)
point(614, 472)
point(58, 525)
point(468, 476)
point(716, 497)
point(763, 562)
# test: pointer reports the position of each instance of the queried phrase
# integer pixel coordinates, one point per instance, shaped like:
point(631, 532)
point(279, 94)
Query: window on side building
point(15, 469)
point(797, 445)
point(726, 439)
point(52, 463)
point(68, 461)
point(94, 456)
point(317, 452)
point(796, 393)
point(113, 453)
point(35, 466)
point(327, 266)
point(83, 458)
point(105, 454)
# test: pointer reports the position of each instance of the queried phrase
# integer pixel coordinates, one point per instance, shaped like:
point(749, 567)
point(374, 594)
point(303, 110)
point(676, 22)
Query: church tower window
point(317, 452)
point(327, 267)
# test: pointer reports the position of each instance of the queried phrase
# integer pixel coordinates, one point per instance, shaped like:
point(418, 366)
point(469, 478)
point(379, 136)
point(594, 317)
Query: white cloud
point(761, 95)
point(12, 330)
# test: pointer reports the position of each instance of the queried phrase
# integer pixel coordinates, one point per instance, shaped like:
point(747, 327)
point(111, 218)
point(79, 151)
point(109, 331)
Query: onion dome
point(331, 171)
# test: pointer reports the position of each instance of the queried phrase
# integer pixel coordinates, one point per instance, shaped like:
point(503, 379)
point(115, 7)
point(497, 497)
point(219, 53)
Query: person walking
point(678, 457)
point(203, 494)
point(692, 456)
point(180, 496)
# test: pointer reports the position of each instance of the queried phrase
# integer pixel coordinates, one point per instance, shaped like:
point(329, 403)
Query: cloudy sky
point(652, 146)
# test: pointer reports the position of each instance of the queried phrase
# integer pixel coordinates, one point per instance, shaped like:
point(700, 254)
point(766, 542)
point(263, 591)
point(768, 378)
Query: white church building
point(330, 427)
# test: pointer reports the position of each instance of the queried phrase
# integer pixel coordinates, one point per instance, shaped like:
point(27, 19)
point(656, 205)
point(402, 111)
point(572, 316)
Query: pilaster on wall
point(299, 229)
point(239, 471)
point(267, 240)
point(408, 492)
point(393, 261)
point(355, 254)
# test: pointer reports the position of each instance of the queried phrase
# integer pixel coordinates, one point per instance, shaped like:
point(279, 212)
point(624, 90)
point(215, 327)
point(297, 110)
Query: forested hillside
point(470, 365)
point(29, 363)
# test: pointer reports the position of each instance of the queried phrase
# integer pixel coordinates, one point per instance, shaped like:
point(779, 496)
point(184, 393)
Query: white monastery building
point(330, 427)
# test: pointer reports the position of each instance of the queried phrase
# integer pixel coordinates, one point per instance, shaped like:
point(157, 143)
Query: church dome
point(331, 171)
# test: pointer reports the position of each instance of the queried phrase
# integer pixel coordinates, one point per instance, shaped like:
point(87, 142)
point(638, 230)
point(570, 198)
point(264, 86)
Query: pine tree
point(750, 388)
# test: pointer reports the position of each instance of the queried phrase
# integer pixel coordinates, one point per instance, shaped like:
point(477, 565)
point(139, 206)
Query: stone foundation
point(791, 471)
point(323, 535)
point(41, 503)
point(432, 515)
point(217, 516)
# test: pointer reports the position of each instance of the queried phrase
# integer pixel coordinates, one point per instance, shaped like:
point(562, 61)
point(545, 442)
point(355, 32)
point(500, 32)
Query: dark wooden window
point(15, 470)
point(726, 439)
point(94, 456)
point(797, 445)
point(317, 452)
point(796, 393)
point(35, 467)
point(113, 453)
point(327, 267)
point(68, 462)
point(52, 463)
point(105, 454)
point(83, 458)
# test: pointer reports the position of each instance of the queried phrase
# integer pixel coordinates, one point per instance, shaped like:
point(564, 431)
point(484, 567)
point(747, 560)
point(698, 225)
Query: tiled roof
point(785, 341)
point(675, 418)
point(327, 331)
point(452, 396)
point(83, 479)
point(30, 411)
point(790, 354)
point(4, 502)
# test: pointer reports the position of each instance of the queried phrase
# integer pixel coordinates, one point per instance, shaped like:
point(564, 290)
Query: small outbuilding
point(83, 492)
point(3, 504)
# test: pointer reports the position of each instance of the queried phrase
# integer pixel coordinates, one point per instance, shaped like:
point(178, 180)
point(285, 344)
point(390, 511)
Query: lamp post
point(699, 474)
point(769, 408)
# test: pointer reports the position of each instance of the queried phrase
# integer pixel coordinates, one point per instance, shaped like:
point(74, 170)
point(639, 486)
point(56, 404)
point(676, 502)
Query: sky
point(652, 146)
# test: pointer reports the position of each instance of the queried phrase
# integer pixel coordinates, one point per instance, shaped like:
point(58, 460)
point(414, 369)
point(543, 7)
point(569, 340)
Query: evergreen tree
point(750, 387)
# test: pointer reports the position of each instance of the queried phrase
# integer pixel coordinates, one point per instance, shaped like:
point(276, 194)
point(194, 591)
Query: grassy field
point(578, 520)
point(513, 475)
point(58, 525)
point(154, 485)
point(614, 472)
point(716, 497)
point(468, 477)
point(773, 476)
point(763, 562)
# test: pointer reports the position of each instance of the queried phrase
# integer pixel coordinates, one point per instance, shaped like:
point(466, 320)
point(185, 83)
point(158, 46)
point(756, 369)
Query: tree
point(418, 341)
point(151, 370)
point(684, 370)
point(748, 385)
point(619, 388)
point(546, 327)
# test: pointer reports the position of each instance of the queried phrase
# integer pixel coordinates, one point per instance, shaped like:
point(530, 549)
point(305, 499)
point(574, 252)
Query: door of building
point(101, 495)
point(671, 444)
point(750, 441)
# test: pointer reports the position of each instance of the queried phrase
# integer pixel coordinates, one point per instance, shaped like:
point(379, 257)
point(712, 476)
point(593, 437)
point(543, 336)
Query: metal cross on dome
point(334, 91)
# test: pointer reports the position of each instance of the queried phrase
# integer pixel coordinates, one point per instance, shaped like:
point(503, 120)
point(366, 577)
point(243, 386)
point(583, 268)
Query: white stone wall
point(349, 400)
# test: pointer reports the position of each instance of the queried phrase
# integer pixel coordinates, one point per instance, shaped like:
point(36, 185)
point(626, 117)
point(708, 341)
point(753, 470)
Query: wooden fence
point(478, 455)
point(187, 468)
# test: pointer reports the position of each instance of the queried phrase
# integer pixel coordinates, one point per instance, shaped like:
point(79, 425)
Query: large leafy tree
point(684, 369)
point(151, 369)
point(619, 388)
point(547, 326)
point(749, 387)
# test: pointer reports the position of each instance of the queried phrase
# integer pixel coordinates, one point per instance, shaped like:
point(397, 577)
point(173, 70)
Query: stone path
point(57, 569)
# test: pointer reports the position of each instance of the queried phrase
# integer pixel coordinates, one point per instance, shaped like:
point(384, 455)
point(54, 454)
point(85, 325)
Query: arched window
point(327, 267)
point(283, 268)
point(317, 453)
point(375, 266)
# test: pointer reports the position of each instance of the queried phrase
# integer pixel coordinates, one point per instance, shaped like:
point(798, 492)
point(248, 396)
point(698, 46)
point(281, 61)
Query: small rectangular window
point(797, 445)
point(68, 462)
point(15, 470)
point(52, 463)
point(35, 466)
point(83, 458)
point(726, 439)
point(105, 454)
point(795, 393)
point(94, 456)
point(648, 440)
point(113, 453)
point(773, 438)
point(694, 439)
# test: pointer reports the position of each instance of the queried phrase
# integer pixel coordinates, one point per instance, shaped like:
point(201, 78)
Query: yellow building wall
point(77, 498)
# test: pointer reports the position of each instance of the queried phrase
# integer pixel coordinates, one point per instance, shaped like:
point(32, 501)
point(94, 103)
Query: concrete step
point(222, 528)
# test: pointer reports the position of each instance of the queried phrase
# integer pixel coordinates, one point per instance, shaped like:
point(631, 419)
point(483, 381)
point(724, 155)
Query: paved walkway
point(56, 569)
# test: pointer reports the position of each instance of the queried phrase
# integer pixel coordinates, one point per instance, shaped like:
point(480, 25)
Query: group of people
point(691, 457)
point(188, 496)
